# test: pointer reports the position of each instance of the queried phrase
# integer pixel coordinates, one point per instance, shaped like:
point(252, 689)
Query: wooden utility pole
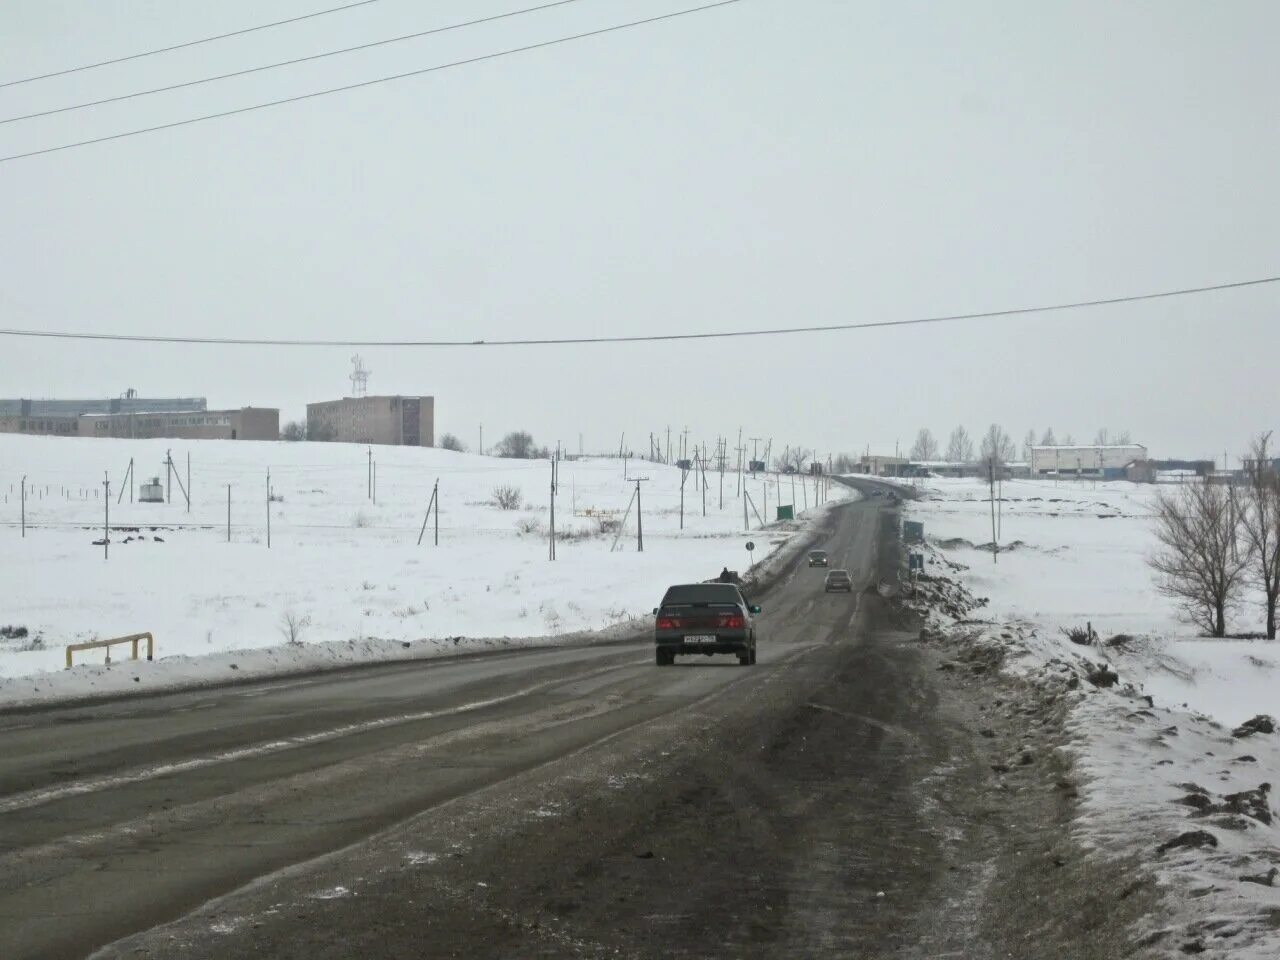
point(433, 502)
point(683, 475)
point(703, 467)
point(106, 515)
point(991, 480)
point(639, 518)
point(551, 549)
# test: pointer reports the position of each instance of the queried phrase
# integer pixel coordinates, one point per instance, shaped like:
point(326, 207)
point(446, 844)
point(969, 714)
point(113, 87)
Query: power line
point(648, 338)
point(369, 83)
point(287, 63)
point(189, 43)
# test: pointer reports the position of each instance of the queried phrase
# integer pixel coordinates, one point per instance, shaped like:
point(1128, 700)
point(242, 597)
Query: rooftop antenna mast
point(359, 377)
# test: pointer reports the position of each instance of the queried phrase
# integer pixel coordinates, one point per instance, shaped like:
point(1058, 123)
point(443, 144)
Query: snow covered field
point(1157, 771)
point(350, 571)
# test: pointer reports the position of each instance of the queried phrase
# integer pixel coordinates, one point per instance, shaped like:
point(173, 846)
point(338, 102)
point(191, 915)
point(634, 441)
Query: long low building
point(1098, 460)
point(247, 423)
point(51, 419)
point(394, 420)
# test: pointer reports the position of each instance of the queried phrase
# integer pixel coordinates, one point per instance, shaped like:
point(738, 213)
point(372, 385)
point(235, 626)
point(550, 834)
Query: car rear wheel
point(664, 658)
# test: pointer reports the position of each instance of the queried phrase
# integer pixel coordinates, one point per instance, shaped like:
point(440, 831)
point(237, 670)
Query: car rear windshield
point(702, 593)
point(818, 553)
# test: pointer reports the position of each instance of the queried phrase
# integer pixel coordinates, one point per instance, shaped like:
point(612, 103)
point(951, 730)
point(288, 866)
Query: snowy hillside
point(346, 568)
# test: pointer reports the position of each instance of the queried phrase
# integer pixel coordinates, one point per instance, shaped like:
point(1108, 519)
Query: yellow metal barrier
point(131, 639)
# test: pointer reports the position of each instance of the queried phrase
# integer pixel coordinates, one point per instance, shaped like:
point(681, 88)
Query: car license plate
point(701, 638)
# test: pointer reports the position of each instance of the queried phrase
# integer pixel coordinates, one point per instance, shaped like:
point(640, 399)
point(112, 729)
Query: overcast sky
point(770, 163)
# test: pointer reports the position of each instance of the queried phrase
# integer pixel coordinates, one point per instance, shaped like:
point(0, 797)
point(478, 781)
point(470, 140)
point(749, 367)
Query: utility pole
point(168, 476)
point(639, 517)
point(683, 475)
point(106, 514)
point(552, 542)
point(703, 467)
point(742, 451)
point(720, 458)
point(991, 479)
point(668, 444)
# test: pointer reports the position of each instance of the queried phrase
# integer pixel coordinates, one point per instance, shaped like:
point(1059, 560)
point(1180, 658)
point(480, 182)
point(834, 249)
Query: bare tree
point(293, 626)
point(1049, 440)
point(1068, 441)
point(1028, 442)
point(450, 442)
point(845, 463)
point(997, 445)
point(959, 446)
point(1198, 562)
point(1124, 438)
point(1102, 438)
point(518, 445)
point(794, 459)
point(294, 430)
point(1260, 520)
point(926, 447)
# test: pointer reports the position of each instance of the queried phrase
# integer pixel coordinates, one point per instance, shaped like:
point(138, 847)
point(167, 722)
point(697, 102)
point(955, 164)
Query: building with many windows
point(137, 417)
point(398, 421)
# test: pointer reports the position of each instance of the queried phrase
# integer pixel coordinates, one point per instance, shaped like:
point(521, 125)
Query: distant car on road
point(704, 618)
point(839, 580)
point(818, 558)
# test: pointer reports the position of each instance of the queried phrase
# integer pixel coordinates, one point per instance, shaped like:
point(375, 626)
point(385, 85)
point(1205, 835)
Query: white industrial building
point(1105, 461)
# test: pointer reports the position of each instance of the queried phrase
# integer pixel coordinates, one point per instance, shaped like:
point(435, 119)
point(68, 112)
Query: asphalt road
point(831, 801)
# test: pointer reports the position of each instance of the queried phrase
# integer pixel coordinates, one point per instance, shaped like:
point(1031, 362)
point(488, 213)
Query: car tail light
point(668, 623)
point(732, 621)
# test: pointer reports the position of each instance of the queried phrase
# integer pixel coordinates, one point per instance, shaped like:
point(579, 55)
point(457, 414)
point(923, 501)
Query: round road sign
point(750, 545)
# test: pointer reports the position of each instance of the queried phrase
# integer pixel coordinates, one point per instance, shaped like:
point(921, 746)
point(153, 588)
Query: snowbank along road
point(832, 801)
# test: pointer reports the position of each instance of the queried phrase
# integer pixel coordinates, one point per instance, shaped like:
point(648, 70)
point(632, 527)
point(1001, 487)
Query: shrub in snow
point(507, 497)
point(529, 525)
point(293, 626)
point(361, 519)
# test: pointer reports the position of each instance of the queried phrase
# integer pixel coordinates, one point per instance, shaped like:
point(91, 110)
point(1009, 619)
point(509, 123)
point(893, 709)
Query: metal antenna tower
point(359, 377)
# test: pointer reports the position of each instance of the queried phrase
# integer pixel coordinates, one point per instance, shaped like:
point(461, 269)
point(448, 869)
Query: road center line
point(35, 798)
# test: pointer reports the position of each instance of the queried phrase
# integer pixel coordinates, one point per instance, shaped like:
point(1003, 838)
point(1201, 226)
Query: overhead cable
point(189, 43)
point(369, 83)
point(286, 63)
point(639, 338)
